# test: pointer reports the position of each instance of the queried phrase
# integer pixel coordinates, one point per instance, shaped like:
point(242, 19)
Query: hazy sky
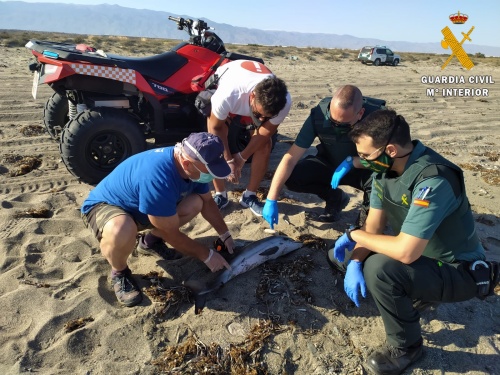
point(391, 20)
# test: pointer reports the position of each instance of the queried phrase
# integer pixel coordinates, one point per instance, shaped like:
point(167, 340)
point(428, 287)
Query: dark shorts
point(240, 133)
point(101, 213)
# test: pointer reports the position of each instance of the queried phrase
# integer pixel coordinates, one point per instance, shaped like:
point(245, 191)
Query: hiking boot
point(221, 201)
point(156, 247)
point(333, 210)
point(334, 263)
point(253, 203)
point(392, 361)
point(126, 289)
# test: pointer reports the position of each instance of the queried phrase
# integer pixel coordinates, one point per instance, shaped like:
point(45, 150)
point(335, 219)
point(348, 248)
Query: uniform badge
point(404, 199)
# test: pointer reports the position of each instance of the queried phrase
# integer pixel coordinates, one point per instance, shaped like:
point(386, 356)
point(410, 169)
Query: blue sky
point(391, 20)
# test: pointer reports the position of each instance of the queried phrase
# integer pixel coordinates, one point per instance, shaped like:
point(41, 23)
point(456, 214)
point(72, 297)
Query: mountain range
point(117, 20)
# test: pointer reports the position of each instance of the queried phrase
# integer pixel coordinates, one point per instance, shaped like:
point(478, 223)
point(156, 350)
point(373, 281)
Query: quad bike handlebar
point(199, 33)
point(193, 28)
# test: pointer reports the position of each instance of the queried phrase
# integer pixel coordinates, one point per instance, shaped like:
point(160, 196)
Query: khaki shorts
point(101, 213)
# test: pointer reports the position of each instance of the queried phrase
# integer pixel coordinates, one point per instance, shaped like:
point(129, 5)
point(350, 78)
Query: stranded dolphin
point(248, 257)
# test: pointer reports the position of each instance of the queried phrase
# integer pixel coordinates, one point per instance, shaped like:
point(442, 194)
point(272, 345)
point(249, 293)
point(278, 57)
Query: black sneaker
point(221, 201)
point(333, 210)
point(392, 361)
point(159, 248)
point(126, 289)
point(253, 203)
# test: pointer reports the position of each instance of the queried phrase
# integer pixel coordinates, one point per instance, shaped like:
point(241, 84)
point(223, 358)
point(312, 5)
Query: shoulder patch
point(420, 199)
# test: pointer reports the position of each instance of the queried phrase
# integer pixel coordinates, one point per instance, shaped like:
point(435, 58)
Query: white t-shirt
point(237, 80)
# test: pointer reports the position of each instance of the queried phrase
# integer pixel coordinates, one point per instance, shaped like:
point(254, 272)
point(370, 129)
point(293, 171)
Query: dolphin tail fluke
point(198, 292)
point(199, 303)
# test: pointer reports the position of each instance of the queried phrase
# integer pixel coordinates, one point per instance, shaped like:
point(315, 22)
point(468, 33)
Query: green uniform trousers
point(394, 286)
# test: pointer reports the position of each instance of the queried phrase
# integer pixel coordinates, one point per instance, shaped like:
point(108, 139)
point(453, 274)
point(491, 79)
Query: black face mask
point(256, 121)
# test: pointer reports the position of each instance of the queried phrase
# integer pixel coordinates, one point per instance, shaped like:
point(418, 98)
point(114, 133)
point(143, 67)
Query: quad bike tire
point(55, 115)
point(97, 140)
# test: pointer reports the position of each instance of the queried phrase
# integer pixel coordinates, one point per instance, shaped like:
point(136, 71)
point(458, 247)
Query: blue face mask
point(205, 178)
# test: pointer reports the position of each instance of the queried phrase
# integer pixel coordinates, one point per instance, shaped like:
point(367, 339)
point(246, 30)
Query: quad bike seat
point(158, 67)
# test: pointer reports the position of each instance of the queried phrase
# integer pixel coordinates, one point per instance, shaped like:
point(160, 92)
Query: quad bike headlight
point(49, 69)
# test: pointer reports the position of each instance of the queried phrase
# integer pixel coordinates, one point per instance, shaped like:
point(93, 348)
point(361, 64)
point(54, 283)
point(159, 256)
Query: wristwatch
point(350, 229)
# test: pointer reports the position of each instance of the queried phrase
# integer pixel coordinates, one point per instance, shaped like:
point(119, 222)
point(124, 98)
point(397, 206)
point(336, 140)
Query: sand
point(52, 273)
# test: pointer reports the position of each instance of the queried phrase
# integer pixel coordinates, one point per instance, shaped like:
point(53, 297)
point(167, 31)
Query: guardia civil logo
point(451, 42)
point(457, 85)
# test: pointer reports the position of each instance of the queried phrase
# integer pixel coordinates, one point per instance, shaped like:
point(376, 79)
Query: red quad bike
point(106, 106)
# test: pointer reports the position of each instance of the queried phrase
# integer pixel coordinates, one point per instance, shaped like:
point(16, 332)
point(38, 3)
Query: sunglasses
point(260, 116)
point(336, 123)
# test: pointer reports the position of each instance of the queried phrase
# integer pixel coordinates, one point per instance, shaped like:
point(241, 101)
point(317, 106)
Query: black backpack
point(202, 101)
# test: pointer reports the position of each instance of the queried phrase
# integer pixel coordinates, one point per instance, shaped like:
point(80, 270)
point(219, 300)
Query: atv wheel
point(55, 115)
point(376, 62)
point(96, 141)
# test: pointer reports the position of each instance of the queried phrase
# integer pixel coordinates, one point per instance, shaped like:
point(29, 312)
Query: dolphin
point(247, 258)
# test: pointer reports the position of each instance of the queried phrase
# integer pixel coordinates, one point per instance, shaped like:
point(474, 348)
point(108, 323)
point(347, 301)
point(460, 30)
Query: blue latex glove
point(341, 171)
point(270, 212)
point(354, 280)
point(342, 244)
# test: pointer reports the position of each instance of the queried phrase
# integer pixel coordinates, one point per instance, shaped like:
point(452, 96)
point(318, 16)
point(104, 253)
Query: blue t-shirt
point(147, 183)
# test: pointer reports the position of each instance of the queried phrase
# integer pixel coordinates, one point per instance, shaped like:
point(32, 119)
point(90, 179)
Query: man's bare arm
point(284, 170)
point(219, 128)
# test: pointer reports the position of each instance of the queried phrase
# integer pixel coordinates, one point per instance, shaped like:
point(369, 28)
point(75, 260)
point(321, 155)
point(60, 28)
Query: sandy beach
point(52, 274)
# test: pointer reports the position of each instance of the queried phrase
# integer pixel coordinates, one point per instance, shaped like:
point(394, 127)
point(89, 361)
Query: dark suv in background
point(378, 55)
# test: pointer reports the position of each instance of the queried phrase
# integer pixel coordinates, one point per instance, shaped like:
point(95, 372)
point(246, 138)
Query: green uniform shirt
point(306, 135)
point(425, 216)
point(335, 144)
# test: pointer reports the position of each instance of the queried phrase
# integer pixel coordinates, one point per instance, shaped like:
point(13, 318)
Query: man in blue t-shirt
point(160, 189)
